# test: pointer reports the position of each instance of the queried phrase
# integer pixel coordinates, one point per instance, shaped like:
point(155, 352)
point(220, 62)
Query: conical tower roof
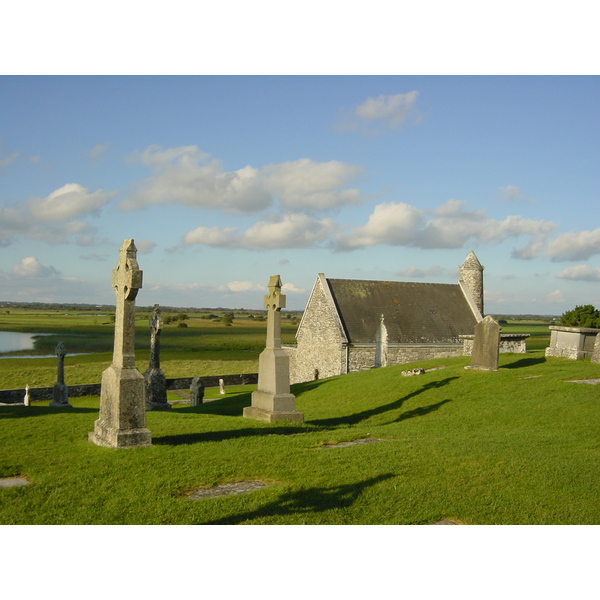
point(472, 262)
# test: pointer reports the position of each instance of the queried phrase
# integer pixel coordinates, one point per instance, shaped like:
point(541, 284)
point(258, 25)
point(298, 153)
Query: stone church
point(352, 325)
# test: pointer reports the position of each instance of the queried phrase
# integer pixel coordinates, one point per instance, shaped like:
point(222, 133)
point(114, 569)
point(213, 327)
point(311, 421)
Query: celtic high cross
point(126, 281)
point(274, 302)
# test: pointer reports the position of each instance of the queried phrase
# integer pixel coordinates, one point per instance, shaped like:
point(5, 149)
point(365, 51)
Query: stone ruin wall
point(509, 344)
point(319, 345)
point(574, 343)
point(362, 357)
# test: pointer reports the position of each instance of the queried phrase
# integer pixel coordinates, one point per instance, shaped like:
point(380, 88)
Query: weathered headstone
point(122, 421)
point(156, 383)
point(196, 392)
point(60, 392)
point(595, 358)
point(486, 345)
point(221, 386)
point(27, 399)
point(272, 400)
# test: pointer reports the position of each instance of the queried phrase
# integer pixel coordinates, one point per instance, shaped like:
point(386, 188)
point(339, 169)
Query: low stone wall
point(575, 343)
point(93, 389)
point(509, 343)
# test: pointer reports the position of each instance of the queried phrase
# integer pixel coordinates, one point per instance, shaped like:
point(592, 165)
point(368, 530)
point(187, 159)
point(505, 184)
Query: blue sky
point(225, 180)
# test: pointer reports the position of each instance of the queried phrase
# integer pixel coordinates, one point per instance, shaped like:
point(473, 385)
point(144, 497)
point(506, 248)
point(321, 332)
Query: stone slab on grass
point(353, 443)
point(227, 489)
point(590, 381)
point(7, 482)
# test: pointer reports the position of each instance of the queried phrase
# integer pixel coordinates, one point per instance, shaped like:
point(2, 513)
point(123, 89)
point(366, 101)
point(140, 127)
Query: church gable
point(413, 313)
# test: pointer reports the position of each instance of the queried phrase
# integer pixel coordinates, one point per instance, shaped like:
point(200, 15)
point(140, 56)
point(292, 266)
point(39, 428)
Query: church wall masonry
point(319, 341)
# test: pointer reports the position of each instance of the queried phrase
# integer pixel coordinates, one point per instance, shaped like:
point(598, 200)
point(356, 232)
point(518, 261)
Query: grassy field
point(516, 446)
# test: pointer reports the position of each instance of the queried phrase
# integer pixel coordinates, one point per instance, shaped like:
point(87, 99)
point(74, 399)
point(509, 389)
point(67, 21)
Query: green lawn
point(516, 446)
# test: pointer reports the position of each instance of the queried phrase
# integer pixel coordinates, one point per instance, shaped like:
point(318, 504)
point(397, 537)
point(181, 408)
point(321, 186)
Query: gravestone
point(272, 400)
point(221, 386)
point(196, 392)
point(595, 358)
point(156, 383)
point(122, 421)
point(27, 398)
point(486, 345)
point(60, 392)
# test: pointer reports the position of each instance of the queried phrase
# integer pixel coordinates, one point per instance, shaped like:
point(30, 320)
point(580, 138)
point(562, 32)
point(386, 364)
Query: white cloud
point(390, 223)
point(242, 286)
point(5, 162)
point(308, 185)
point(220, 237)
point(383, 112)
point(580, 273)
point(510, 192)
point(97, 151)
point(187, 176)
point(556, 297)
point(287, 231)
point(399, 224)
point(574, 245)
point(31, 267)
point(144, 246)
point(70, 201)
point(291, 288)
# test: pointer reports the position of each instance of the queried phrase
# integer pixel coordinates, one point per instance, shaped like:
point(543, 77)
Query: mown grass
point(515, 446)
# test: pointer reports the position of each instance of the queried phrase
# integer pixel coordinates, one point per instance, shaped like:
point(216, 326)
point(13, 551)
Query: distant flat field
point(201, 347)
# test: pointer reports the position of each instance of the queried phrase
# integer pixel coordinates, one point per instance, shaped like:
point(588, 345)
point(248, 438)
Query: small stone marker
point(272, 400)
point(26, 399)
point(221, 386)
point(486, 345)
point(156, 384)
point(122, 421)
point(196, 392)
point(60, 392)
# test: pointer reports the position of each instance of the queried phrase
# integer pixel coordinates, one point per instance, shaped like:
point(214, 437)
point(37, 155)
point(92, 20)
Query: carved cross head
point(60, 351)
point(156, 323)
point(127, 277)
point(275, 300)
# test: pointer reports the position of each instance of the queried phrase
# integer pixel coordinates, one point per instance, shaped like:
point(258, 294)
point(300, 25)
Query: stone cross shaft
point(126, 281)
point(274, 302)
point(155, 325)
point(60, 353)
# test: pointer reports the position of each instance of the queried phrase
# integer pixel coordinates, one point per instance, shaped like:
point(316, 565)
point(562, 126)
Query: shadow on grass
point(366, 414)
point(524, 362)
point(308, 502)
point(232, 434)
point(19, 410)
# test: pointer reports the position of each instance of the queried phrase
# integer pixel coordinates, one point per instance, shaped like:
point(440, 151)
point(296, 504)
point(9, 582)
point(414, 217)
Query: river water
point(11, 341)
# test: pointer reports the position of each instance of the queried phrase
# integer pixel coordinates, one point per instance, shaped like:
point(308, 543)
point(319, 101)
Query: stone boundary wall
point(93, 389)
point(509, 343)
point(575, 343)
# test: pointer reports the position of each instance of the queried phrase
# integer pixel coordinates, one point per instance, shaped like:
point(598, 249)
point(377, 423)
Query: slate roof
point(414, 313)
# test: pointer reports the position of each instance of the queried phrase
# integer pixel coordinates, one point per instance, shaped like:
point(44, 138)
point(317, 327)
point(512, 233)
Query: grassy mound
point(516, 446)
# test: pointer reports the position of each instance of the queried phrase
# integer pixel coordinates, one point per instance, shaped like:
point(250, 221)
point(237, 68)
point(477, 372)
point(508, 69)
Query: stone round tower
point(471, 274)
